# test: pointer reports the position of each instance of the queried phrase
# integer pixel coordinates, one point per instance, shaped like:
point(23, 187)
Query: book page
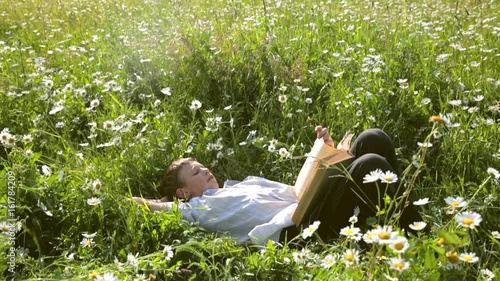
point(319, 151)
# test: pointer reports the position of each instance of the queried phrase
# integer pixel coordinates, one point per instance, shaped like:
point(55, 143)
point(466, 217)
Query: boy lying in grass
point(257, 210)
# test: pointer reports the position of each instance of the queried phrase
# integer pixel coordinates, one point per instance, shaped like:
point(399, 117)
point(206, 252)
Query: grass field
point(99, 96)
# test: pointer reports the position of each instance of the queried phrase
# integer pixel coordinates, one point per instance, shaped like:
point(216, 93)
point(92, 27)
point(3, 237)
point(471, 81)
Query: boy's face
point(196, 179)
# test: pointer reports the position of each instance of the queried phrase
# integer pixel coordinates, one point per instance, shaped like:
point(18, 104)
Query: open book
point(322, 162)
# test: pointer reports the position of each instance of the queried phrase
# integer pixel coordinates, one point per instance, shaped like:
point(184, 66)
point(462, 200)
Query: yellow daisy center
point(384, 235)
point(5, 228)
point(441, 241)
point(93, 275)
point(12, 140)
point(399, 246)
point(437, 119)
point(349, 232)
point(399, 265)
point(453, 257)
point(468, 258)
point(350, 257)
point(468, 221)
point(455, 203)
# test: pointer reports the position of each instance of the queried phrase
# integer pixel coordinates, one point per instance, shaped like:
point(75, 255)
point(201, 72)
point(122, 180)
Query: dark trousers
point(373, 149)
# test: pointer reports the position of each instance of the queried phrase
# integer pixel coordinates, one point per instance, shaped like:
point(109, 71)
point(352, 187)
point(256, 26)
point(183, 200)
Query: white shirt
point(255, 209)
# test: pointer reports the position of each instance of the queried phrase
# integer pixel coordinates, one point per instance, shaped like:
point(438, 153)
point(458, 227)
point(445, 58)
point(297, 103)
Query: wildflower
point(140, 277)
point(108, 125)
point(352, 233)
point(420, 202)
point(370, 236)
point(424, 144)
point(399, 245)
point(399, 264)
point(5, 227)
point(94, 275)
point(388, 177)
point(495, 234)
point(309, 100)
point(196, 104)
point(108, 276)
point(97, 185)
point(132, 260)
point(302, 256)
point(329, 261)
point(46, 171)
point(438, 119)
point(494, 172)
point(271, 148)
point(27, 138)
point(282, 98)
point(372, 176)
point(469, 257)
point(487, 274)
point(94, 103)
point(455, 102)
point(168, 251)
point(4, 135)
point(385, 234)
point(89, 236)
point(351, 257)
point(309, 231)
point(94, 201)
point(353, 220)
point(469, 219)
point(442, 58)
point(418, 225)
point(283, 152)
point(87, 242)
point(454, 203)
point(28, 153)
point(166, 91)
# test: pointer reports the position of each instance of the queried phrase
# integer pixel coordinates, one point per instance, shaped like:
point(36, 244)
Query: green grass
point(346, 65)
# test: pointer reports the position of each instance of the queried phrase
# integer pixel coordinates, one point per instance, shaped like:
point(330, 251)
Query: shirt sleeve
point(184, 208)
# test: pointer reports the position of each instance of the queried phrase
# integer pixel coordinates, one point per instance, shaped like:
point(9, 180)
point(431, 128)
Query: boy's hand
point(322, 133)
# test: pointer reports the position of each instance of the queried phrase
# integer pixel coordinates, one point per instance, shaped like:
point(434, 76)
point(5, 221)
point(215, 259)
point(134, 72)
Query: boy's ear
point(180, 193)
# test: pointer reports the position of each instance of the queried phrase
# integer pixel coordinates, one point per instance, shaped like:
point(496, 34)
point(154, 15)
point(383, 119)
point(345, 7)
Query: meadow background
point(99, 96)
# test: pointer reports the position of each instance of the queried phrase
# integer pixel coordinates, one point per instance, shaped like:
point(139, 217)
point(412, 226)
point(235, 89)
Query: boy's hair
point(171, 180)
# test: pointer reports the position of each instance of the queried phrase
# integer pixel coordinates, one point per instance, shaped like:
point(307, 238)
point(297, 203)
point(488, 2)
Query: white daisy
point(421, 202)
point(166, 91)
point(399, 264)
point(133, 260)
point(94, 201)
point(487, 274)
point(329, 261)
point(373, 176)
point(87, 242)
point(469, 219)
point(469, 257)
point(399, 245)
point(388, 177)
point(309, 231)
point(108, 125)
point(351, 257)
point(352, 233)
point(282, 98)
point(384, 234)
point(418, 225)
point(46, 171)
point(169, 252)
point(196, 104)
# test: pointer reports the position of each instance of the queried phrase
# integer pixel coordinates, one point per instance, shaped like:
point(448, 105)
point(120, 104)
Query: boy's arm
point(323, 133)
point(154, 204)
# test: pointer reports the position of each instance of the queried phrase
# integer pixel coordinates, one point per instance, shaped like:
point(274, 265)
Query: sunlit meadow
point(99, 96)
